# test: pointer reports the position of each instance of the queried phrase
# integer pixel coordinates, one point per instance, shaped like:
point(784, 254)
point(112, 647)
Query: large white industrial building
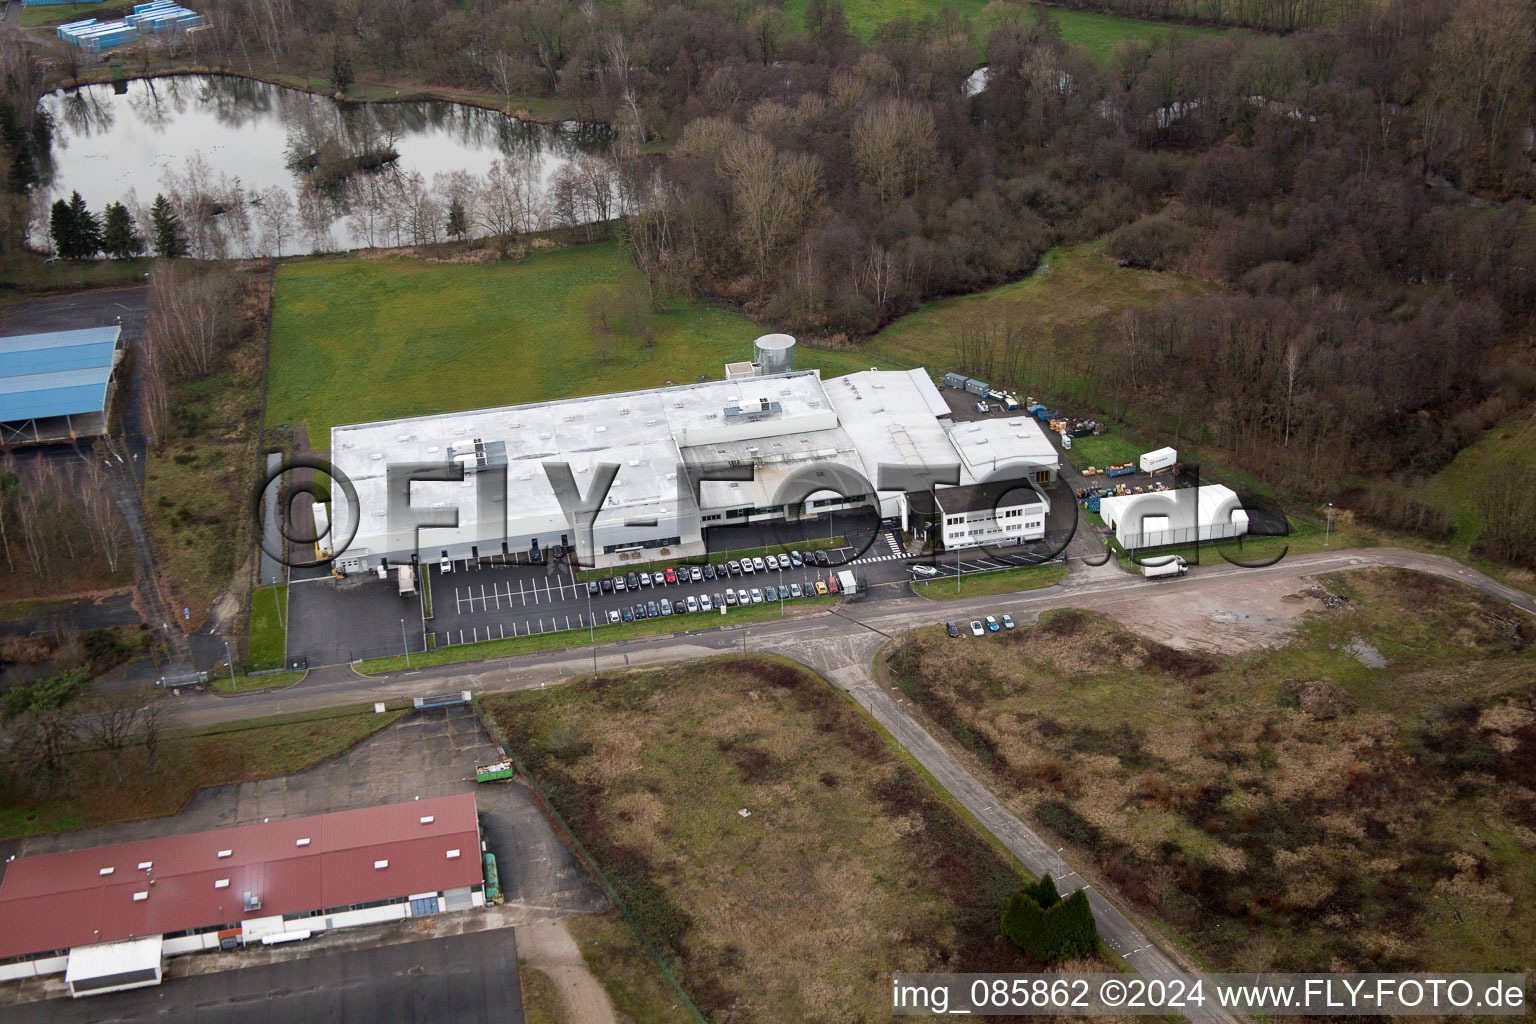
point(766, 447)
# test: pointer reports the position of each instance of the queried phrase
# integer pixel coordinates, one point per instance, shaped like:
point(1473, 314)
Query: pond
point(257, 169)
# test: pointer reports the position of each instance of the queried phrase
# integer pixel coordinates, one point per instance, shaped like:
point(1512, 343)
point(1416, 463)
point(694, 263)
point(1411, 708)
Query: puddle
point(1365, 654)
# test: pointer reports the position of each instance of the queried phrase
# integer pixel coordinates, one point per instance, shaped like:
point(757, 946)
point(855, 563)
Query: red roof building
point(326, 863)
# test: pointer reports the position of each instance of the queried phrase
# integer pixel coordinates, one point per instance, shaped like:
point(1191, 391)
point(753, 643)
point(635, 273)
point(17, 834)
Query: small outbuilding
point(114, 966)
point(1160, 519)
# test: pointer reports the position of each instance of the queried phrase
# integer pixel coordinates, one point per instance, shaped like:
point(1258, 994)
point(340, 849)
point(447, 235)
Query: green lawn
point(1095, 33)
point(1104, 450)
point(579, 637)
point(355, 340)
point(267, 646)
point(1455, 486)
point(221, 681)
point(986, 584)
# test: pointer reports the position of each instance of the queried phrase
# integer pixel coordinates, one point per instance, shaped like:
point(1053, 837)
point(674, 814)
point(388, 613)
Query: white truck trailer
point(407, 576)
point(1173, 566)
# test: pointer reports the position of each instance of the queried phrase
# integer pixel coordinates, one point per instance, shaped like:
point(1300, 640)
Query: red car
point(832, 584)
point(671, 575)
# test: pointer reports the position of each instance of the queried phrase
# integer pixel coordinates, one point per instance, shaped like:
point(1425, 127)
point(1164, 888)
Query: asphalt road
point(467, 979)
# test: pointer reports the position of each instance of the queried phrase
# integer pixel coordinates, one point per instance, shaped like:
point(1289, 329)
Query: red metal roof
point(61, 900)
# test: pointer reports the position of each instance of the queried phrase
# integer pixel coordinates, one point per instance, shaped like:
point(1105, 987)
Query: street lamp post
point(404, 645)
point(1061, 869)
point(781, 590)
point(899, 702)
point(1328, 527)
point(230, 659)
point(277, 604)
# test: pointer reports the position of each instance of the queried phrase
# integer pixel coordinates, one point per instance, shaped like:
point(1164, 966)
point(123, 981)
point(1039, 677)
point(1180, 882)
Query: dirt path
point(548, 946)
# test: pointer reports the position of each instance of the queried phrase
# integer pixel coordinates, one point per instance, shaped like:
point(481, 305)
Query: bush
point(1156, 243)
point(1070, 825)
point(1048, 928)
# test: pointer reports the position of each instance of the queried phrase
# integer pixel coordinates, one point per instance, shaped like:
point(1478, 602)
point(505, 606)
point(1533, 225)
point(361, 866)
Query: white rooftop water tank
point(775, 353)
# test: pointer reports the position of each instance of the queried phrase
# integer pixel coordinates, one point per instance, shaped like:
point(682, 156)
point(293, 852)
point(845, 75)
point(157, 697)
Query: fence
point(586, 859)
point(1183, 535)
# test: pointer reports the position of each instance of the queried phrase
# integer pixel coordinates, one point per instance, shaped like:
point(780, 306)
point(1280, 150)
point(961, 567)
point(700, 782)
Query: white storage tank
point(774, 353)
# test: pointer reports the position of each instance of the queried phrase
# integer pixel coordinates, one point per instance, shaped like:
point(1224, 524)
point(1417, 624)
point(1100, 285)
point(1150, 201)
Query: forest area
point(1358, 183)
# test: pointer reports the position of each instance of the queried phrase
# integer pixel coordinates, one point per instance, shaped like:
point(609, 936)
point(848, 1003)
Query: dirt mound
point(1317, 698)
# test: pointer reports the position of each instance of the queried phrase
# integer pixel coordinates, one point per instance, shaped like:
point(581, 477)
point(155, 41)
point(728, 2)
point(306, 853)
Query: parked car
point(954, 630)
point(704, 604)
point(720, 601)
point(1007, 621)
point(832, 584)
point(645, 579)
point(977, 629)
point(746, 567)
point(618, 584)
point(924, 570)
point(770, 593)
point(613, 617)
point(593, 588)
point(628, 615)
point(445, 566)
point(693, 603)
point(709, 572)
point(758, 565)
point(773, 563)
point(734, 566)
point(666, 606)
point(640, 610)
point(696, 574)
point(795, 559)
point(632, 580)
point(722, 571)
point(821, 589)
point(821, 557)
point(742, 597)
point(992, 624)
point(607, 584)
point(757, 596)
point(794, 590)
point(651, 610)
point(730, 597)
point(671, 574)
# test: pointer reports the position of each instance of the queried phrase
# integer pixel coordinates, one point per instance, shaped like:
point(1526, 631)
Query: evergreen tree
point(1047, 927)
point(118, 237)
point(87, 228)
point(61, 225)
point(458, 222)
point(168, 240)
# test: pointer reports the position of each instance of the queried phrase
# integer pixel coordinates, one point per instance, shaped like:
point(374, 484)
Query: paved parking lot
point(332, 621)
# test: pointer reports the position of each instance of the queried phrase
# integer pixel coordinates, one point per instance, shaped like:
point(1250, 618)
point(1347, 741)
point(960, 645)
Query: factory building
point(763, 447)
point(107, 917)
point(994, 514)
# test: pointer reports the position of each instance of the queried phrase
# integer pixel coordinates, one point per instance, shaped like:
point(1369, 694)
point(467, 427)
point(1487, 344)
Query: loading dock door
point(424, 907)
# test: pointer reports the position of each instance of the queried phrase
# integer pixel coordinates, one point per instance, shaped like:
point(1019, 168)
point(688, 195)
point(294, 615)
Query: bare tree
point(111, 727)
point(772, 193)
point(102, 517)
point(895, 145)
point(275, 215)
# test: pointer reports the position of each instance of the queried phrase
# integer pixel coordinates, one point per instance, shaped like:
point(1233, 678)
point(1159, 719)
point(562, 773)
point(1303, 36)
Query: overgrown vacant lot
point(1294, 809)
point(848, 868)
point(355, 340)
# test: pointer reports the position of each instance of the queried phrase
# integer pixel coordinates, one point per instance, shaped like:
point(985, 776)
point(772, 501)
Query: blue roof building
point(57, 386)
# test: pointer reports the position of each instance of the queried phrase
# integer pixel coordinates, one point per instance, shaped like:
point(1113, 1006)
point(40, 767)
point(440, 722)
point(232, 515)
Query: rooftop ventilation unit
point(252, 902)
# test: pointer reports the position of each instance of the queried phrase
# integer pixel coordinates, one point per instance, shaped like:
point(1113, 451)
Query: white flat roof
point(112, 958)
point(1002, 441)
point(890, 421)
point(1202, 506)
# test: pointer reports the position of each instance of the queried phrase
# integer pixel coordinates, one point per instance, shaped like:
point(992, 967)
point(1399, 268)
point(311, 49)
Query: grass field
point(579, 637)
point(267, 642)
point(355, 340)
point(846, 868)
point(541, 1000)
point(58, 14)
point(184, 761)
point(1095, 33)
point(985, 584)
point(1288, 809)
point(627, 973)
point(1452, 487)
point(1064, 298)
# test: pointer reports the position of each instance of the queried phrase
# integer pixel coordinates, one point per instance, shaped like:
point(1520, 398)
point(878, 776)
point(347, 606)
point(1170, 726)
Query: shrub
point(1156, 243)
point(1047, 927)
point(1070, 825)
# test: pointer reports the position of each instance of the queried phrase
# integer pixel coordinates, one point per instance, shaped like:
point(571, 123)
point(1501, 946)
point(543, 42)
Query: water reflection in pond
point(255, 168)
